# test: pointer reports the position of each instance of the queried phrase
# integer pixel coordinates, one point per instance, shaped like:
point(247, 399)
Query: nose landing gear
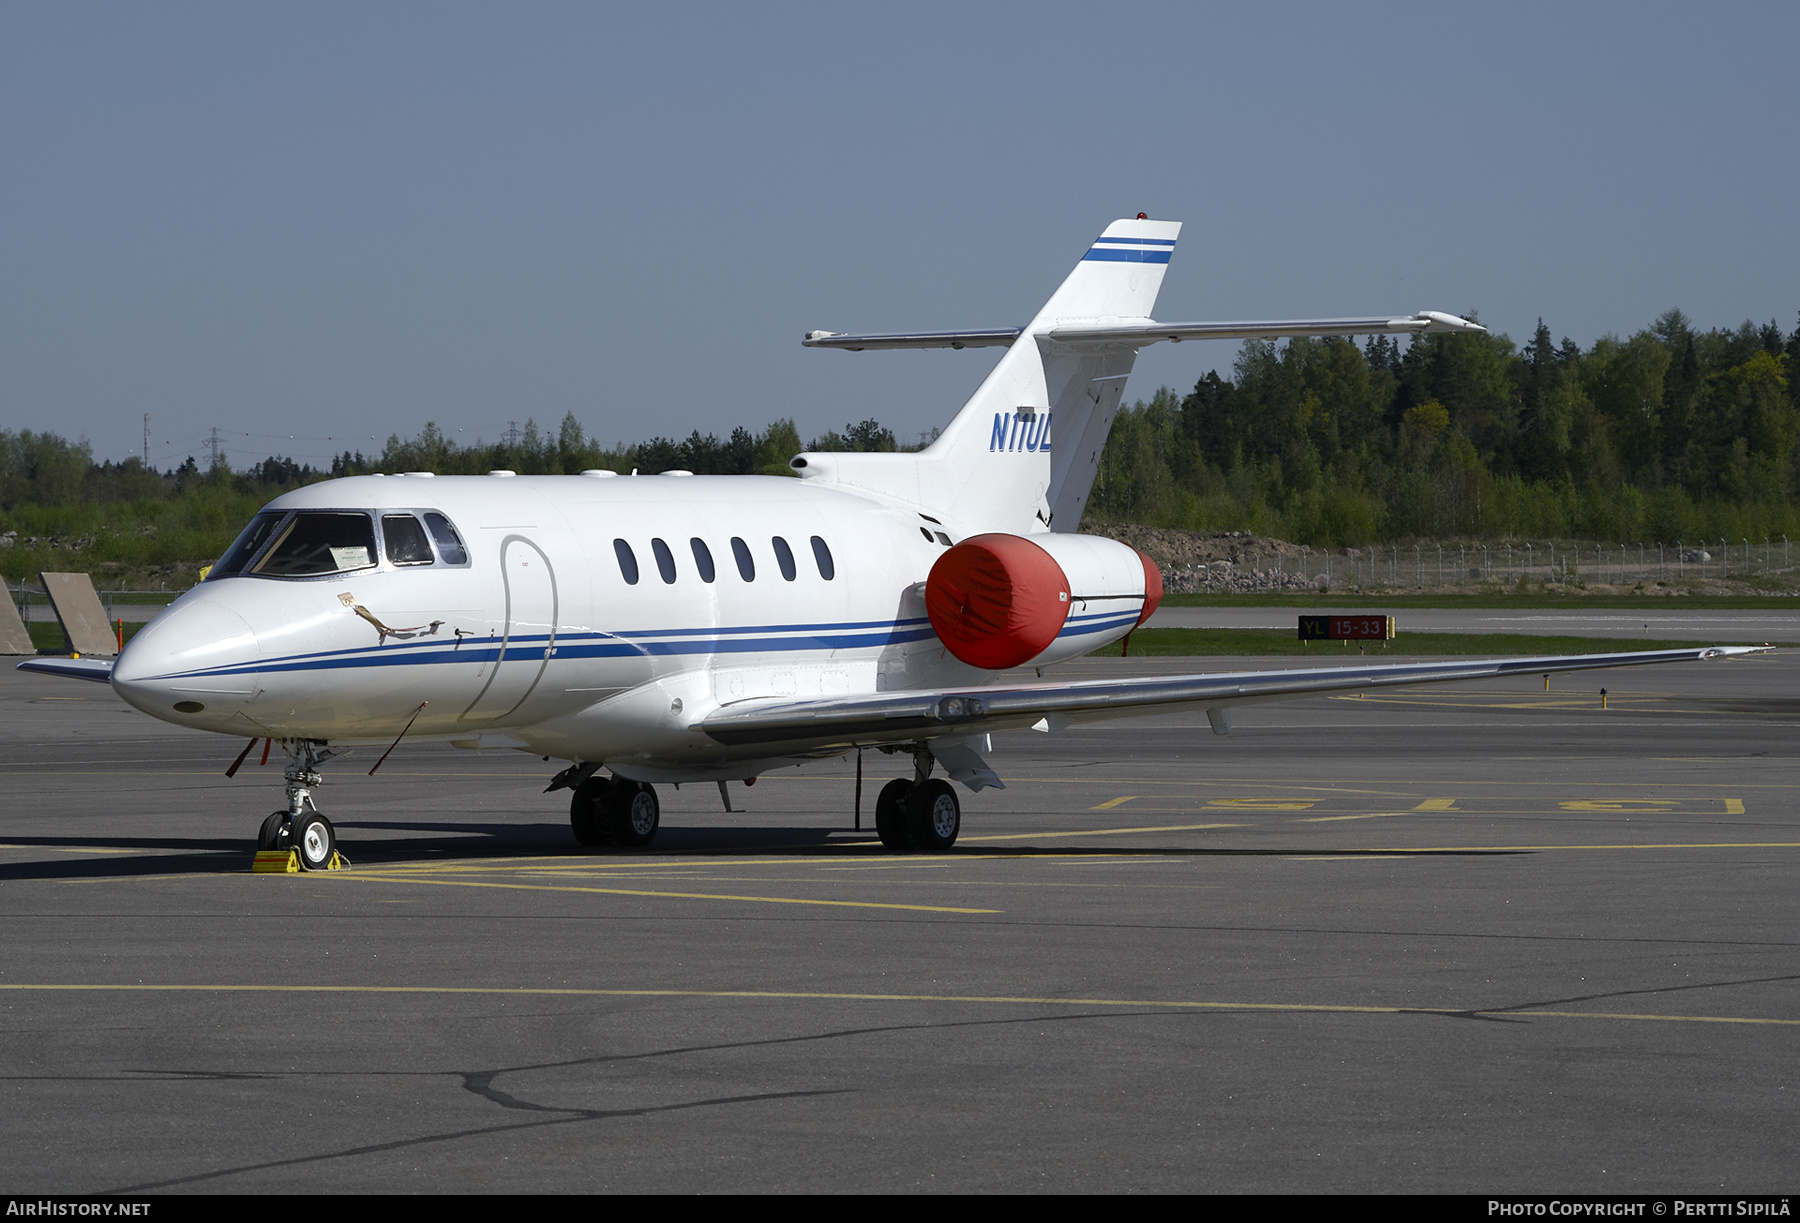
point(300, 834)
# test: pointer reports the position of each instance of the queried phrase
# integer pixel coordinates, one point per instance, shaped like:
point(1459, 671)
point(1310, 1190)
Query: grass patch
point(1205, 642)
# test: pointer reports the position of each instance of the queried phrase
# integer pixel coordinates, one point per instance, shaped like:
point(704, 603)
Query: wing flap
point(917, 714)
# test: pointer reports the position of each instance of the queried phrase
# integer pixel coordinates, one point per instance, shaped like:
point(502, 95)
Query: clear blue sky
point(339, 221)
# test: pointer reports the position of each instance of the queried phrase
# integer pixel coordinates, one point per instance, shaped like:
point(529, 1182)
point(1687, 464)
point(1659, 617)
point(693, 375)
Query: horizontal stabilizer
point(1001, 338)
point(1136, 334)
point(97, 669)
point(1149, 331)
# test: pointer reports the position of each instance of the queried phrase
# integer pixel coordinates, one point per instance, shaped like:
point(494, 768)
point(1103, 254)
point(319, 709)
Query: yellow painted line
point(546, 887)
point(1453, 849)
point(1647, 806)
point(1110, 803)
point(1264, 804)
point(1437, 804)
point(1331, 819)
point(1097, 832)
point(1734, 806)
point(829, 996)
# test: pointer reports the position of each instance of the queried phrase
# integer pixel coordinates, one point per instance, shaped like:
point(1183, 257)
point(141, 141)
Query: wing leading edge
point(924, 714)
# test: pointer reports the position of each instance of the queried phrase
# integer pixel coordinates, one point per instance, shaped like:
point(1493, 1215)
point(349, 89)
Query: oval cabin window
point(665, 560)
point(784, 557)
point(627, 561)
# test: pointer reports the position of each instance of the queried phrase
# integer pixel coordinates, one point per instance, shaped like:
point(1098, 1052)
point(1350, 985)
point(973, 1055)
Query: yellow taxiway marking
point(1734, 806)
point(1096, 832)
point(1264, 804)
point(1332, 819)
point(1178, 1004)
point(1620, 804)
point(1110, 803)
point(768, 900)
point(1489, 849)
point(1437, 804)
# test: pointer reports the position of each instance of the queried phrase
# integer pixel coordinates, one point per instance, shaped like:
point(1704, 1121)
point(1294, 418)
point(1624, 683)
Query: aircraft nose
point(192, 663)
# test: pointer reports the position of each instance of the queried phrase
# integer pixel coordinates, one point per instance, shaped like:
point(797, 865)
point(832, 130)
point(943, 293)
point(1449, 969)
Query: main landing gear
point(920, 813)
point(301, 827)
point(614, 811)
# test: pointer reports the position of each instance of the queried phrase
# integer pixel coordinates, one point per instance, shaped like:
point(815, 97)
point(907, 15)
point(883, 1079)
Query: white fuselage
point(538, 640)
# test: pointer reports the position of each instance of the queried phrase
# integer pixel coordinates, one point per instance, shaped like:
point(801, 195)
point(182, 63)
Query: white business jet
point(679, 628)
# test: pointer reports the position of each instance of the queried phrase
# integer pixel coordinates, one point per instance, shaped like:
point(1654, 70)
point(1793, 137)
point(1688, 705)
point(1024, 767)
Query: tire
point(933, 816)
point(274, 832)
point(316, 841)
point(890, 815)
point(631, 814)
point(584, 811)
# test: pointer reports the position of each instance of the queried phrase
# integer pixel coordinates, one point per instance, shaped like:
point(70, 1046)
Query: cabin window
point(320, 543)
point(822, 555)
point(665, 560)
point(247, 545)
point(746, 564)
point(627, 561)
point(449, 543)
point(702, 559)
point(784, 556)
point(405, 540)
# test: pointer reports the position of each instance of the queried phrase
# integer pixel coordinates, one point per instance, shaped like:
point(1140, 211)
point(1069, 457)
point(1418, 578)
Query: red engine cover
point(1153, 587)
point(997, 601)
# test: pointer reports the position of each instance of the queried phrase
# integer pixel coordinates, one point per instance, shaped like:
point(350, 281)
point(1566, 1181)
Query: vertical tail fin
point(1021, 454)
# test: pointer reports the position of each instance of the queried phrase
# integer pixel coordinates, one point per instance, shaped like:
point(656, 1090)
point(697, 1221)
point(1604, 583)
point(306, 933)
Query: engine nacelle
point(999, 601)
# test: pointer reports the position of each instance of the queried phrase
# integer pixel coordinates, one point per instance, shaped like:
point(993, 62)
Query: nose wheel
point(300, 834)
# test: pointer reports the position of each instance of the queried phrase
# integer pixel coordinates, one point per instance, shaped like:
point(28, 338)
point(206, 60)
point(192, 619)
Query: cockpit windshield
point(248, 544)
point(320, 542)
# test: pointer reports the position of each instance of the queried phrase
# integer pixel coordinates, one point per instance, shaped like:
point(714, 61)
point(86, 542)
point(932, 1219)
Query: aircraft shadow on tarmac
point(100, 857)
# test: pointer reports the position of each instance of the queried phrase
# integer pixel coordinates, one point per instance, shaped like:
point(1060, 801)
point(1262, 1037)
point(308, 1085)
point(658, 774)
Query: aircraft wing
point(892, 717)
point(98, 669)
point(1135, 333)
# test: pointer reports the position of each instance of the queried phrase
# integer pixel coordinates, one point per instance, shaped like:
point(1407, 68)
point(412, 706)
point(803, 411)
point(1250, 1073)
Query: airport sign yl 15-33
point(1346, 628)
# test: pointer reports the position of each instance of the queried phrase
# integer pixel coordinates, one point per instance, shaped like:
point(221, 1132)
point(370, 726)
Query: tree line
point(1673, 433)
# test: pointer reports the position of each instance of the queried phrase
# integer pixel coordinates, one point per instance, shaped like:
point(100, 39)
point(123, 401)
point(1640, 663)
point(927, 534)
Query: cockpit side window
point(248, 544)
point(449, 543)
point(405, 540)
point(317, 543)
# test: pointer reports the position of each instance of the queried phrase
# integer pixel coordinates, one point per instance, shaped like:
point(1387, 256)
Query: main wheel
point(631, 813)
point(315, 838)
point(274, 832)
point(584, 811)
point(933, 816)
point(890, 815)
